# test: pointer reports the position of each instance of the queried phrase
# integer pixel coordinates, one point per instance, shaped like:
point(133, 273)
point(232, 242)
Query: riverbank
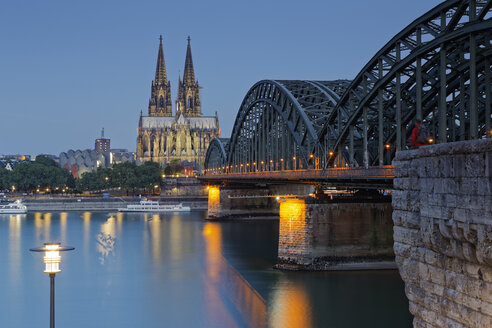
point(100, 204)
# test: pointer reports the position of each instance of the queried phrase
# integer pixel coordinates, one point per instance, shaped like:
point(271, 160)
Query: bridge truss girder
point(437, 70)
point(277, 126)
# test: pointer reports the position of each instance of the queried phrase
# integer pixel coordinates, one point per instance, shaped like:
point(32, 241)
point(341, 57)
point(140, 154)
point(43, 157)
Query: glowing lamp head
point(431, 140)
point(331, 153)
point(387, 146)
point(52, 256)
point(311, 156)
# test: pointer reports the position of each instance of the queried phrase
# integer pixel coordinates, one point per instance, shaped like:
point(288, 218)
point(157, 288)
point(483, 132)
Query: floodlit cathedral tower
point(160, 95)
point(162, 137)
point(188, 101)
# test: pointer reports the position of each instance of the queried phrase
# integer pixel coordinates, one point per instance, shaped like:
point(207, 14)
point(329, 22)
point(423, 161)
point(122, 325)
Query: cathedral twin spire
point(188, 100)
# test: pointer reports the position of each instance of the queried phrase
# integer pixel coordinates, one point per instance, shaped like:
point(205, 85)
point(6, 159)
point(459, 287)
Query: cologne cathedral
point(162, 136)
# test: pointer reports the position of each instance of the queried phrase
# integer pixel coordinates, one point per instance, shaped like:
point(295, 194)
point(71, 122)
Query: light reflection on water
point(177, 270)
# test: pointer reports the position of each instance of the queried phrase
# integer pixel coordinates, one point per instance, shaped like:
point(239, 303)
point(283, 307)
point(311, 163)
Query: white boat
point(154, 206)
point(13, 208)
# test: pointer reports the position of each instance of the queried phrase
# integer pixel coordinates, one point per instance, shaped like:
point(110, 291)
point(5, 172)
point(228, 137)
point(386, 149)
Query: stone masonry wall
point(335, 236)
point(442, 213)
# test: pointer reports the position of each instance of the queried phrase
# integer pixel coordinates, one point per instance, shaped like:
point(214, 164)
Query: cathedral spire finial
point(189, 73)
point(160, 71)
point(160, 97)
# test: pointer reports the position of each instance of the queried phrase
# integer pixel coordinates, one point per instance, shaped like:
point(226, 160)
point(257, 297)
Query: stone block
point(485, 290)
point(484, 186)
point(445, 164)
point(488, 164)
point(430, 211)
point(485, 273)
point(401, 168)
point(474, 165)
point(408, 183)
point(430, 257)
point(450, 186)
point(436, 275)
point(484, 321)
point(406, 235)
point(458, 167)
point(402, 250)
point(427, 185)
point(468, 186)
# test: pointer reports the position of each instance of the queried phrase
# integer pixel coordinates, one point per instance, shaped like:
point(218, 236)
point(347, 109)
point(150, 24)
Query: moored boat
point(154, 206)
point(13, 208)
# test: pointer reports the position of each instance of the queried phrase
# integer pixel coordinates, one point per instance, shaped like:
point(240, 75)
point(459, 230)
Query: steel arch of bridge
point(277, 126)
point(437, 69)
point(216, 155)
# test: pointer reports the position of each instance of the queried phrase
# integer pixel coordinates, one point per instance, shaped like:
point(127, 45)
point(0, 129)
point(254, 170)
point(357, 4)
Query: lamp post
point(52, 261)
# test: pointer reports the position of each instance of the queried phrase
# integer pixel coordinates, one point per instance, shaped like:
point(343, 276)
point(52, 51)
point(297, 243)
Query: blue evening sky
point(69, 68)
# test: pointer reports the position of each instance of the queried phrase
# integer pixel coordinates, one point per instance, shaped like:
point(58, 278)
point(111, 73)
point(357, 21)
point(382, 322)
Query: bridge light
point(387, 146)
point(294, 158)
point(331, 153)
point(271, 160)
point(254, 163)
point(247, 164)
point(281, 159)
point(311, 155)
point(431, 140)
point(242, 165)
point(262, 162)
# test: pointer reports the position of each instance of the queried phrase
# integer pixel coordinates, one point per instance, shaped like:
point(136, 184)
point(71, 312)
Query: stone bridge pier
point(335, 234)
point(443, 232)
point(248, 200)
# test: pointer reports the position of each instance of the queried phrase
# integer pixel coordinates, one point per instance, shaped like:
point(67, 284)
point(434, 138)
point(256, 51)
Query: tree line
point(125, 176)
point(44, 175)
point(40, 175)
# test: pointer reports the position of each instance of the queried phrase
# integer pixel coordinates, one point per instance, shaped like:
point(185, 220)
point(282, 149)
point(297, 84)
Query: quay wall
point(112, 204)
point(442, 213)
point(316, 235)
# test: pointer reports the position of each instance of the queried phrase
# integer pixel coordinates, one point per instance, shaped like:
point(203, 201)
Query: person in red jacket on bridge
point(415, 134)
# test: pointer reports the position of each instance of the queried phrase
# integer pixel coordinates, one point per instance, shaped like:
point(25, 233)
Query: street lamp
point(52, 261)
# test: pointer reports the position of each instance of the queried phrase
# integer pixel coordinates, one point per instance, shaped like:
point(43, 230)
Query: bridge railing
point(373, 172)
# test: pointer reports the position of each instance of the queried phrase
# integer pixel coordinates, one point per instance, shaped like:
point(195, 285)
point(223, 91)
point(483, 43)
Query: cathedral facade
point(163, 137)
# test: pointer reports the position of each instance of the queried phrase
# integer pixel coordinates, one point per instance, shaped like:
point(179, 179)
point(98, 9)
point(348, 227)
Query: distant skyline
point(68, 69)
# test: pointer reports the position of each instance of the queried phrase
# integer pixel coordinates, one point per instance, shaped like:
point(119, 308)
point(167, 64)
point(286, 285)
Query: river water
point(177, 270)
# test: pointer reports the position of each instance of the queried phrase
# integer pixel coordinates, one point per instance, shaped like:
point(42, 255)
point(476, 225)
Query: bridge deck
point(378, 176)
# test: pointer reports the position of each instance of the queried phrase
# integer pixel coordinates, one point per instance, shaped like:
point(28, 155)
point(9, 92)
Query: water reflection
point(106, 239)
point(290, 307)
point(15, 242)
point(178, 270)
point(155, 233)
point(224, 282)
point(63, 226)
point(42, 223)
